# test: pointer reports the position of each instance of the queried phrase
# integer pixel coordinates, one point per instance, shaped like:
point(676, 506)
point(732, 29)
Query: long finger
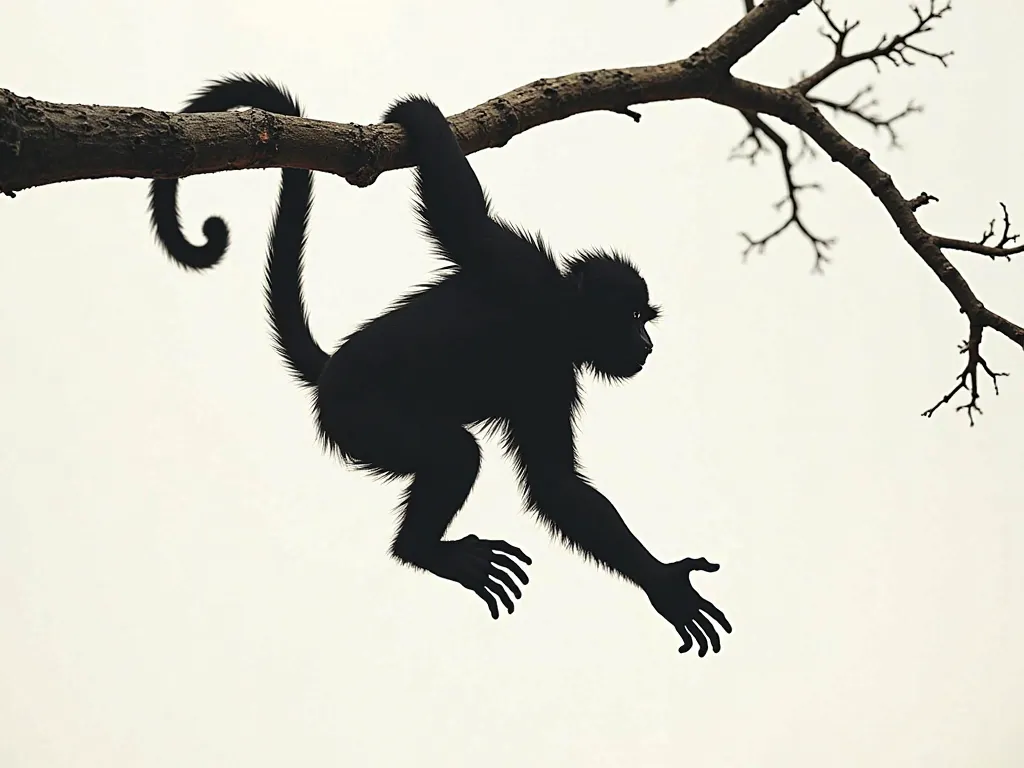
point(512, 565)
point(488, 598)
point(712, 610)
point(709, 630)
point(509, 549)
point(496, 588)
point(702, 642)
point(496, 573)
point(687, 640)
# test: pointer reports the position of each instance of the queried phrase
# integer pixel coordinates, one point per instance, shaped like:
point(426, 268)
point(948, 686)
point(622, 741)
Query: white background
point(185, 580)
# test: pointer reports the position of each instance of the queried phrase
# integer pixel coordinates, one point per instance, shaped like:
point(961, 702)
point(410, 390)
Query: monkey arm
point(456, 211)
point(589, 523)
point(583, 517)
point(451, 201)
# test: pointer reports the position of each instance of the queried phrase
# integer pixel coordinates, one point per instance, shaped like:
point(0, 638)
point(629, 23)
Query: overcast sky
point(186, 580)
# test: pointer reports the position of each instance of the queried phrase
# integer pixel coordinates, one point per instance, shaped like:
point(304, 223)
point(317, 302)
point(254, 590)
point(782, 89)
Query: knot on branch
point(921, 200)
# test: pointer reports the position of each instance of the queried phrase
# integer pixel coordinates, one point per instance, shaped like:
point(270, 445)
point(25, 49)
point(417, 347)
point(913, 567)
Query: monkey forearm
point(589, 521)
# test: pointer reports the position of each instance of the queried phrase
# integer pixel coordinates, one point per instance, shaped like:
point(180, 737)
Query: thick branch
point(797, 110)
point(44, 143)
point(860, 106)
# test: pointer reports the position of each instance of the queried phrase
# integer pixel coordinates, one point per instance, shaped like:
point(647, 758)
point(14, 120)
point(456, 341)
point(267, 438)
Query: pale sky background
point(186, 580)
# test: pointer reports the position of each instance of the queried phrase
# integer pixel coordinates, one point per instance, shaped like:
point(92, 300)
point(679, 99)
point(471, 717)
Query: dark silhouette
point(218, 96)
point(498, 338)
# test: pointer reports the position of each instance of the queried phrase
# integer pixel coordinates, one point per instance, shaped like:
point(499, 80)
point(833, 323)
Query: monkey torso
point(460, 351)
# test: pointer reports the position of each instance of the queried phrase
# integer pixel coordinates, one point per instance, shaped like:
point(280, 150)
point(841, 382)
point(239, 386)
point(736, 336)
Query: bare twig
point(632, 114)
point(855, 107)
point(42, 143)
point(796, 109)
point(861, 106)
point(921, 200)
point(758, 128)
point(898, 50)
point(967, 381)
point(997, 251)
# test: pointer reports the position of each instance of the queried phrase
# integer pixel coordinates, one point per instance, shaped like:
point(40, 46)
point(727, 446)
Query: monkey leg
point(443, 459)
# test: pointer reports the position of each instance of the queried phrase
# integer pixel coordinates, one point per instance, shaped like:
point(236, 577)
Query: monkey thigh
point(390, 437)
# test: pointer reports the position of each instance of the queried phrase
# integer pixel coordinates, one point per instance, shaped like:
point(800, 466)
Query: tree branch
point(997, 251)
point(897, 50)
point(967, 381)
point(43, 143)
point(758, 128)
point(855, 107)
point(796, 109)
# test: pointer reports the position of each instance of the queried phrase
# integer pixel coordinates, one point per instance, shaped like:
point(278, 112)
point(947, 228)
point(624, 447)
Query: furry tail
point(286, 308)
point(217, 96)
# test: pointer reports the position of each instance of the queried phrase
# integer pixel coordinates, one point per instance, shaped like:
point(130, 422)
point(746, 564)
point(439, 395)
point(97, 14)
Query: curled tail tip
point(215, 230)
point(199, 258)
point(196, 258)
point(217, 95)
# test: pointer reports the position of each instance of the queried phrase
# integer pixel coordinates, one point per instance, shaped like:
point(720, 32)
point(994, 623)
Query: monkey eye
point(637, 315)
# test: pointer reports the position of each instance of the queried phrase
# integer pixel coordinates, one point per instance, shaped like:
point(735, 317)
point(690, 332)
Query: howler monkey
point(499, 339)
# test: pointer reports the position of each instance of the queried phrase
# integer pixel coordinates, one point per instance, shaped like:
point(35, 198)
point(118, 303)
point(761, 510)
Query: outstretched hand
point(674, 597)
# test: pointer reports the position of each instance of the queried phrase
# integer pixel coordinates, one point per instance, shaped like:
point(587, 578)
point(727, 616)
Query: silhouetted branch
point(967, 381)
point(997, 251)
point(797, 109)
point(43, 143)
point(921, 200)
point(758, 128)
point(855, 107)
point(897, 50)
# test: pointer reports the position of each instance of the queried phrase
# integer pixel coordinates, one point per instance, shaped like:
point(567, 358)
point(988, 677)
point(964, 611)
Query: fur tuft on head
point(611, 307)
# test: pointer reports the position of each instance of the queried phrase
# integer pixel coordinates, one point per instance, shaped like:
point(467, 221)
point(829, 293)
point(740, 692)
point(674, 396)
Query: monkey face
point(612, 312)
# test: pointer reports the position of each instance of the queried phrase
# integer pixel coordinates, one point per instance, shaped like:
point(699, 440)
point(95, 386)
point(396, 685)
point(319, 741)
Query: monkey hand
point(674, 597)
point(474, 563)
